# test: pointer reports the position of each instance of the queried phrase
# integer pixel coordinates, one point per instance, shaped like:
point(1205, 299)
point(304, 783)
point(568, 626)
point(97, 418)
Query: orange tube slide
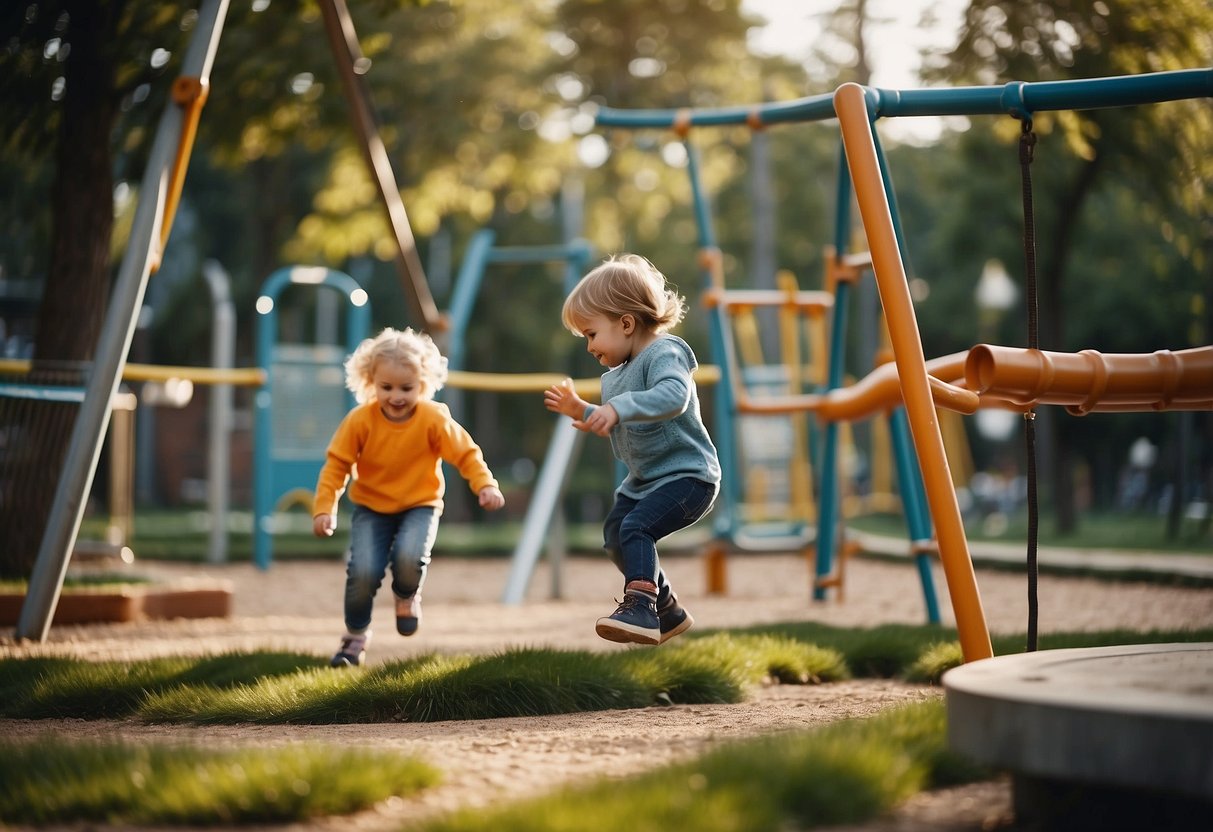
point(1091, 381)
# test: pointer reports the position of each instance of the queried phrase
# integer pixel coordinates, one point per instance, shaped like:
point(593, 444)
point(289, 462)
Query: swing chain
point(1027, 152)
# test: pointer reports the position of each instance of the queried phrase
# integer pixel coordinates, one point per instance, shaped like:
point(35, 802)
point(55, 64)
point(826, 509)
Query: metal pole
point(352, 67)
point(80, 462)
point(545, 505)
point(218, 461)
point(863, 163)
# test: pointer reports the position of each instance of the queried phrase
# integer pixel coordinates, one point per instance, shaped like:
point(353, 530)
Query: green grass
point(47, 780)
point(184, 535)
point(843, 773)
point(292, 688)
point(1143, 532)
point(277, 688)
point(99, 582)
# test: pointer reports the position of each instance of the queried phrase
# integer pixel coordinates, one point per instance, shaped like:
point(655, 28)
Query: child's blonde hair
point(407, 347)
point(625, 284)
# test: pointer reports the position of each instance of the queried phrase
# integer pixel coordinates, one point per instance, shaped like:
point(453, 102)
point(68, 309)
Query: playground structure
point(985, 376)
point(911, 388)
point(811, 323)
point(1034, 715)
point(1171, 381)
point(301, 401)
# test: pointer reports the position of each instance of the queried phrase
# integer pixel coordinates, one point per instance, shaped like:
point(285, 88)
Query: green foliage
point(49, 780)
point(934, 661)
point(845, 773)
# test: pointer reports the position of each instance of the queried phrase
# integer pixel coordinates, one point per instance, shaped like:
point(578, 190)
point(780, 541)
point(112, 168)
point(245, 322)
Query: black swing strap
point(1027, 146)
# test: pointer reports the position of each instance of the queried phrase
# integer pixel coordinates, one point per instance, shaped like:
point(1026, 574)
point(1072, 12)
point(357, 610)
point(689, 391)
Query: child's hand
point(323, 525)
point(491, 498)
point(563, 399)
point(601, 421)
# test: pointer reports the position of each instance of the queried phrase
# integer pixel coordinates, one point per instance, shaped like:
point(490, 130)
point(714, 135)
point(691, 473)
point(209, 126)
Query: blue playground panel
point(302, 401)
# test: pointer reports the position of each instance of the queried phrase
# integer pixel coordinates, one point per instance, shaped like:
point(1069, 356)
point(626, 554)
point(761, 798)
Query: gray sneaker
point(352, 652)
point(634, 621)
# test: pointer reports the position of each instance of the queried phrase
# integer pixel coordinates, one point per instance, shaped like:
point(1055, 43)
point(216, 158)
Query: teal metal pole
point(463, 296)
point(726, 515)
point(829, 500)
point(828, 488)
point(1015, 98)
point(914, 506)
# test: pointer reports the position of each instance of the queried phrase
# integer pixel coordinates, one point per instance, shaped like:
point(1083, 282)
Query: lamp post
point(994, 295)
point(996, 292)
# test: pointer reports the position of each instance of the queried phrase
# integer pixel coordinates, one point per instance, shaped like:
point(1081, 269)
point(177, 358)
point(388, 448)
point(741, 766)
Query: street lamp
point(994, 295)
point(996, 292)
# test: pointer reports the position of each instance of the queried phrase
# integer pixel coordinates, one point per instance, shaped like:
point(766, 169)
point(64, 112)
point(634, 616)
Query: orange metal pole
point(850, 105)
point(189, 94)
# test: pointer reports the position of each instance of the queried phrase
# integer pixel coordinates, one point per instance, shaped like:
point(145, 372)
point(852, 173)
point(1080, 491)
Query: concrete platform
point(1095, 738)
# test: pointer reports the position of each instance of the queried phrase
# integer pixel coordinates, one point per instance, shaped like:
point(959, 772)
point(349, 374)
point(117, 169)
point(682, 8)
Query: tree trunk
point(1052, 326)
point(75, 292)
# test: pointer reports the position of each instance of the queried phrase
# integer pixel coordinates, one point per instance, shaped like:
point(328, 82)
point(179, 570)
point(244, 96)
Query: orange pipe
point(877, 392)
point(1091, 381)
point(891, 281)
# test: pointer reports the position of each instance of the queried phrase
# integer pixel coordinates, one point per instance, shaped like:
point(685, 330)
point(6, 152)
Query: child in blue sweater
point(650, 411)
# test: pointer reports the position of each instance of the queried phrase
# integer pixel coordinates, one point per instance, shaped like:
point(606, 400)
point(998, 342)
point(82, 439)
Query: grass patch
point(98, 582)
point(1095, 530)
point(46, 688)
point(708, 668)
point(843, 773)
point(273, 688)
point(922, 652)
point(48, 780)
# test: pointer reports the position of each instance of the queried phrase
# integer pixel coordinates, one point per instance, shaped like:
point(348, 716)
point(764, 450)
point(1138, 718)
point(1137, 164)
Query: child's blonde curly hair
point(407, 347)
point(624, 284)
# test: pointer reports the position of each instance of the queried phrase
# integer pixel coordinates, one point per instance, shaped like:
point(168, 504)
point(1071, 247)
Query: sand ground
point(297, 606)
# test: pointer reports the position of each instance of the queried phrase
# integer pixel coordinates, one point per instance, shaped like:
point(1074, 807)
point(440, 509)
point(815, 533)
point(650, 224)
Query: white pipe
point(545, 504)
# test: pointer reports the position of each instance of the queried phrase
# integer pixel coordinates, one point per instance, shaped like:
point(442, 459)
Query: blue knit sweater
point(660, 436)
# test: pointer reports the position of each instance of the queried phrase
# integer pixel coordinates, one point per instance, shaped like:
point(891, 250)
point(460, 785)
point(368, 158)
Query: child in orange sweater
point(392, 445)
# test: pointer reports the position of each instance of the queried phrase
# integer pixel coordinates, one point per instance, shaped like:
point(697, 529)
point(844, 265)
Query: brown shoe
point(408, 615)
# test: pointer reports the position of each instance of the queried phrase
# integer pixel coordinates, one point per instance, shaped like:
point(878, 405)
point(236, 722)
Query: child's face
point(397, 389)
point(608, 339)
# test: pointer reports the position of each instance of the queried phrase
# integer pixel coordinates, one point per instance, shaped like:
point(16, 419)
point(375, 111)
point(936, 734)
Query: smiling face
point(397, 389)
point(609, 340)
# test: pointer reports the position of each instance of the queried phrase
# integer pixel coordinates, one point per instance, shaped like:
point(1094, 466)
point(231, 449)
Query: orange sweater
point(397, 465)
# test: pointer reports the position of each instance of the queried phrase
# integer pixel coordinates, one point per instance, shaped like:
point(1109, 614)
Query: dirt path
point(297, 606)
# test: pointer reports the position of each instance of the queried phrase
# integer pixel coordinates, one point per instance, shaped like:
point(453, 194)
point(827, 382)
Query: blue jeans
point(402, 540)
point(632, 529)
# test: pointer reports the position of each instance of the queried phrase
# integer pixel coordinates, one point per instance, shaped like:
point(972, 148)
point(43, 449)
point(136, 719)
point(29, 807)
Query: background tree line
point(487, 111)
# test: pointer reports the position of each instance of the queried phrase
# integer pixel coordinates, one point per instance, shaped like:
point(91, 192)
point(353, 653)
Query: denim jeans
point(402, 540)
point(633, 527)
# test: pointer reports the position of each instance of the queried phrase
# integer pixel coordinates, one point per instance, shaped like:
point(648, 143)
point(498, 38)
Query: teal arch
point(282, 465)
